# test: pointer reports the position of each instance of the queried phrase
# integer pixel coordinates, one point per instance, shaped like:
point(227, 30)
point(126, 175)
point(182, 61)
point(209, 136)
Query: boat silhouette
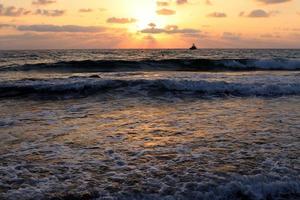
point(193, 47)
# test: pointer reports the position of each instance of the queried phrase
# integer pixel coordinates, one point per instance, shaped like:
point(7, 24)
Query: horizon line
point(240, 48)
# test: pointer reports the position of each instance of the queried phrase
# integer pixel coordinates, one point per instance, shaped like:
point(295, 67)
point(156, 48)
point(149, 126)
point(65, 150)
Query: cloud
point(165, 11)
point(170, 29)
point(43, 2)
point(196, 35)
point(12, 11)
point(231, 36)
point(85, 10)
point(162, 3)
point(115, 20)
point(65, 28)
point(62, 40)
point(152, 25)
point(241, 14)
point(269, 36)
point(282, 29)
point(50, 13)
point(273, 1)
point(23, 36)
point(149, 37)
point(4, 26)
point(181, 2)
point(217, 15)
point(257, 14)
point(208, 2)
point(102, 9)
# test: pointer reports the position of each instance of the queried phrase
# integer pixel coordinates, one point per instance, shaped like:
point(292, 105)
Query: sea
point(163, 124)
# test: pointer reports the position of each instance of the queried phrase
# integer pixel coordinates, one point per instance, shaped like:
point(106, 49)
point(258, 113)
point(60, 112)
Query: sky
point(73, 24)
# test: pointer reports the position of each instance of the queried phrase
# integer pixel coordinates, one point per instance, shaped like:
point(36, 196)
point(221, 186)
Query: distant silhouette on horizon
point(193, 47)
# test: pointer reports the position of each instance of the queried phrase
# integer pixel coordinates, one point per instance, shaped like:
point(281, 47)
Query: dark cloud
point(217, 15)
point(50, 13)
point(165, 11)
point(43, 2)
point(181, 2)
point(152, 25)
point(66, 28)
point(115, 20)
point(85, 10)
point(162, 3)
point(12, 11)
point(170, 29)
point(273, 1)
point(231, 36)
point(258, 13)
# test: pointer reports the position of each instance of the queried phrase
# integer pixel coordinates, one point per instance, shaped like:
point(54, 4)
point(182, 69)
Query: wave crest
point(161, 65)
point(87, 86)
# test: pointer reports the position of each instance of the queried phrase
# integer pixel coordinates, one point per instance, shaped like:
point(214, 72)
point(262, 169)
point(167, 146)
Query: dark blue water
point(17, 58)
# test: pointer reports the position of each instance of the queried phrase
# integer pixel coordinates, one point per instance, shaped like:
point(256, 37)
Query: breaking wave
point(74, 87)
point(161, 65)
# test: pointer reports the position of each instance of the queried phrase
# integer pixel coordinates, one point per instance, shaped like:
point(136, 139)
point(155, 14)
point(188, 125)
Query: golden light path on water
point(113, 145)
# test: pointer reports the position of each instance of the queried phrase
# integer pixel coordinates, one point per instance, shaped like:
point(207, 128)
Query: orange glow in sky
point(44, 24)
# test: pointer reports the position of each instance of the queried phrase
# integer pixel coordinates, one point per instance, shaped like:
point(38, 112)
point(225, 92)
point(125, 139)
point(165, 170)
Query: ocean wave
point(80, 86)
point(161, 65)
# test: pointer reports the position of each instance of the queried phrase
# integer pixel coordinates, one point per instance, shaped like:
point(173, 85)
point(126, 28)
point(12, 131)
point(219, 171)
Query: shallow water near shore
point(151, 148)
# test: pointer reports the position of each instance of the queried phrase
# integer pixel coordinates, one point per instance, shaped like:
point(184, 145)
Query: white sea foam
point(262, 64)
point(277, 64)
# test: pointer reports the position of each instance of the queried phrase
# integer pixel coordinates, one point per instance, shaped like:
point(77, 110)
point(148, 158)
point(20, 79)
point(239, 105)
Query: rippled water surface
point(50, 56)
point(150, 124)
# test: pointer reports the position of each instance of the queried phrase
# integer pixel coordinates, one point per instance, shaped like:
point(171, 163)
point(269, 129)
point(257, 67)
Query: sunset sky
point(48, 24)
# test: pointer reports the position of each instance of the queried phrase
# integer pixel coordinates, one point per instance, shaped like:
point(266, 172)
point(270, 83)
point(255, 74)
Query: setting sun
point(144, 16)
